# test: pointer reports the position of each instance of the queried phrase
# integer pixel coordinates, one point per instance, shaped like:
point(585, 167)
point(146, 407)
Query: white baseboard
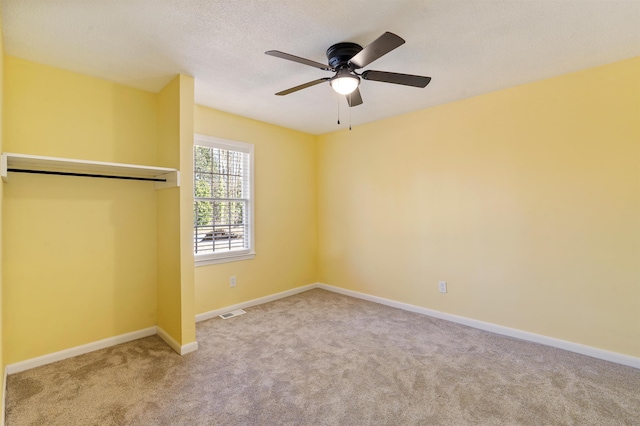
point(494, 328)
point(259, 301)
point(79, 350)
point(193, 346)
point(168, 339)
point(180, 349)
point(188, 348)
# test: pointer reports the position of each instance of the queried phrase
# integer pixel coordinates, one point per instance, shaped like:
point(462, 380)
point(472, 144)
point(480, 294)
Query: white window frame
point(202, 259)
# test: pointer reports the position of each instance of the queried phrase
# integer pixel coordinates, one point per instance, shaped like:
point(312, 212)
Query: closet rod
point(47, 172)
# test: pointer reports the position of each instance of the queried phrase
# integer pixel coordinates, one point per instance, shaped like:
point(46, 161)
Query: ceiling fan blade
point(303, 86)
point(379, 47)
point(395, 78)
point(354, 98)
point(298, 59)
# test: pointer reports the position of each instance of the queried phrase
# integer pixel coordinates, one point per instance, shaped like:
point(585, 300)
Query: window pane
point(222, 207)
point(220, 226)
point(235, 187)
point(222, 169)
point(219, 189)
point(203, 159)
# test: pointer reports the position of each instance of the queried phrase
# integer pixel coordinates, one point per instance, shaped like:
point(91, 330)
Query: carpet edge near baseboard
point(31, 363)
point(253, 302)
point(79, 350)
point(566, 345)
point(593, 352)
point(173, 344)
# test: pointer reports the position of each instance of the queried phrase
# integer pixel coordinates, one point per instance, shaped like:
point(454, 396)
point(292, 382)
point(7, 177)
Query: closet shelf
point(163, 177)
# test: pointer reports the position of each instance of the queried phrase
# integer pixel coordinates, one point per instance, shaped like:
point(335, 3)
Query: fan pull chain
point(338, 110)
point(349, 114)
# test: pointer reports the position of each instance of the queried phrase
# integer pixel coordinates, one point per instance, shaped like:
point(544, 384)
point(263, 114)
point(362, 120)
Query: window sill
point(204, 261)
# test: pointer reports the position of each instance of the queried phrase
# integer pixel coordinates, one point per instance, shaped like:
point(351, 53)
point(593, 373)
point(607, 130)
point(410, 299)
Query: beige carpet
point(319, 358)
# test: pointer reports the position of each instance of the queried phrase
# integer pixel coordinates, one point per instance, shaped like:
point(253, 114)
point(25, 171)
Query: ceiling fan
point(345, 58)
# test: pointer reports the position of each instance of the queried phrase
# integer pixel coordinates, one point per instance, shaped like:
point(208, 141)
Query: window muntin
point(223, 202)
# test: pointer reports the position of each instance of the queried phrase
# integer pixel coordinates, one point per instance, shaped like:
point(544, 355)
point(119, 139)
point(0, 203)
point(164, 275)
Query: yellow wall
point(526, 201)
point(175, 212)
point(187, 275)
point(285, 213)
point(79, 262)
point(168, 213)
point(2, 363)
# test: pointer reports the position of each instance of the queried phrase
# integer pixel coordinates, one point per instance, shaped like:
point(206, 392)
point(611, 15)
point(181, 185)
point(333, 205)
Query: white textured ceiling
point(468, 47)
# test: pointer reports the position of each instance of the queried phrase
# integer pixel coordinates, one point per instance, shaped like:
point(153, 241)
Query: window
point(223, 200)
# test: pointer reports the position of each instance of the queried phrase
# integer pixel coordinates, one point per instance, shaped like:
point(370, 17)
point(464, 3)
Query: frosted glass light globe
point(345, 84)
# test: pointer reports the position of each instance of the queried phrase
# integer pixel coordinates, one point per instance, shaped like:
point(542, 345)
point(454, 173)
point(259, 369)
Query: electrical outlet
point(232, 281)
point(442, 286)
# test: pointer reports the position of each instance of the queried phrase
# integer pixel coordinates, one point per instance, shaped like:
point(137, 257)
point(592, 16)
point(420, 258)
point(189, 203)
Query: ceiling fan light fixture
point(345, 83)
point(345, 59)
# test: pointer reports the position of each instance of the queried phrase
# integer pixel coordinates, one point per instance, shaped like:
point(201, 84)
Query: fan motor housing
point(339, 54)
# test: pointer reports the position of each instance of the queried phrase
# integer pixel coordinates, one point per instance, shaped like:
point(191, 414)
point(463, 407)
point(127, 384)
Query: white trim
point(4, 165)
point(259, 301)
point(220, 143)
point(246, 148)
point(39, 162)
point(168, 339)
point(78, 350)
point(180, 349)
point(206, 260)
point(172, 180)
point(188, 348)
point(193, 346)
point(494, 328)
